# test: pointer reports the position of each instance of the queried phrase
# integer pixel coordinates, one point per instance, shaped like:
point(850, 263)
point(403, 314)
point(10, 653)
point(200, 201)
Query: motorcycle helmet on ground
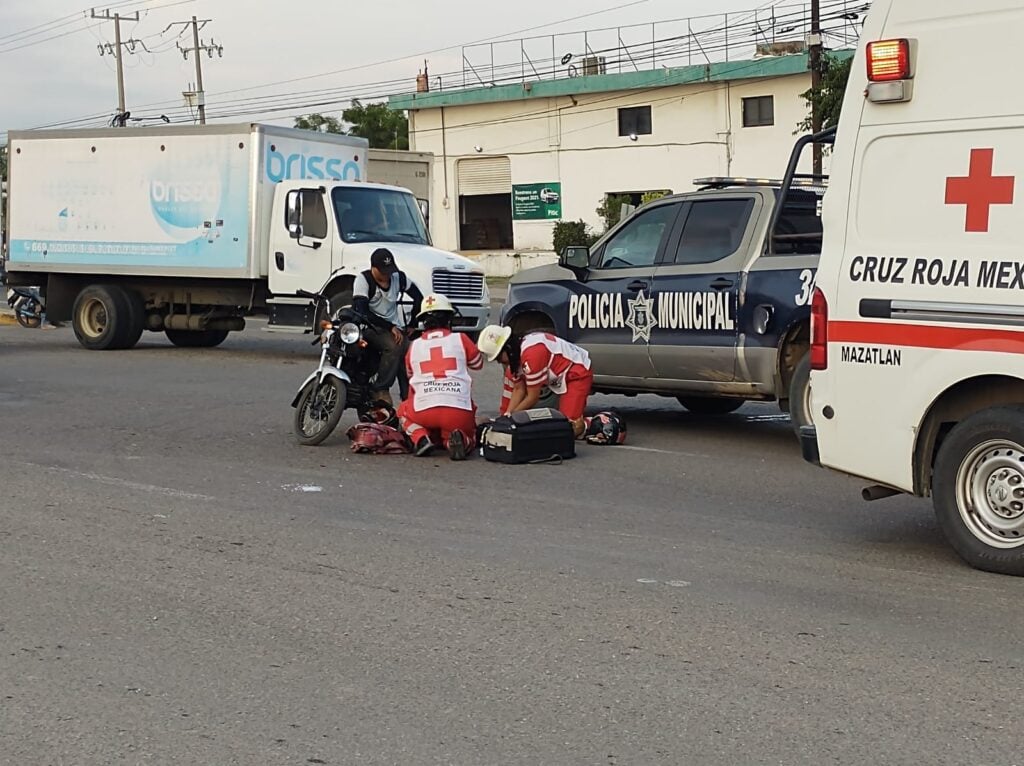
point(606, 428)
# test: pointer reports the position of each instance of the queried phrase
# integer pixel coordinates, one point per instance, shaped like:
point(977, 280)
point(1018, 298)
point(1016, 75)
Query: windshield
point(378, 215)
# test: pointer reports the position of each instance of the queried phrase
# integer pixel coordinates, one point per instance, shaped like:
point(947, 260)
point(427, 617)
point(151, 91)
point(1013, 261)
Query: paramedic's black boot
point(424, 447)
point(457, 446)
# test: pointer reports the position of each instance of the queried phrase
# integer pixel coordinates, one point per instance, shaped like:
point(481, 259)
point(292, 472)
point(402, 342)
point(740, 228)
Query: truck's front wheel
point(104, 317)
point(978, 489)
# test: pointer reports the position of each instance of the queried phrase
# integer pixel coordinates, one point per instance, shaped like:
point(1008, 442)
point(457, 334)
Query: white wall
point(574, 140)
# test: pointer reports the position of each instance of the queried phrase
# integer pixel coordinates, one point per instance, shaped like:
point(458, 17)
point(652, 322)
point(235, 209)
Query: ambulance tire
point(978, 490)
point(800, 395)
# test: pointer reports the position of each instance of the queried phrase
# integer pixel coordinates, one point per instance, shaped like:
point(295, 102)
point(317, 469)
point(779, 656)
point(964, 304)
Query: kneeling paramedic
point(440, 408)
point(536, 360)
point(376, 294)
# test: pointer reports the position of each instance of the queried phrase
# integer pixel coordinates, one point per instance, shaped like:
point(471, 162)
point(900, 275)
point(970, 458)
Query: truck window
point(314, 215)
point(714, 230)
point(799, 231)
point(378, 215)
point(637, 243)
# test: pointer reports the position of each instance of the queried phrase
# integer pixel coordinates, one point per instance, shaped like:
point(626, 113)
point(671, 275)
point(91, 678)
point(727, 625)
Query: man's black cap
point(383, 260)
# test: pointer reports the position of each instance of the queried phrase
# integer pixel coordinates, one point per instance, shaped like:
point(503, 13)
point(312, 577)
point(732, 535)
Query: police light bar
point(889, 60)
point(719, 182)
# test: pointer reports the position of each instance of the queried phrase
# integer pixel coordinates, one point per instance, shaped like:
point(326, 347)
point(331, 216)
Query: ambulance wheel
point(104, 318)
point(196, 338)
point(978, 490)
point(800, 395)
point(702, 405)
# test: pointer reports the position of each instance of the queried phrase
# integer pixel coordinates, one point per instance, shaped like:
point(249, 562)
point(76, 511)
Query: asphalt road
point(180, 583)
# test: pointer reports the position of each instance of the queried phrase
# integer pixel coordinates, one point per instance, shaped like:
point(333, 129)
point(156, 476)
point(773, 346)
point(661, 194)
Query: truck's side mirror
point(293, 213)
point(575, 257)
point(424, 209)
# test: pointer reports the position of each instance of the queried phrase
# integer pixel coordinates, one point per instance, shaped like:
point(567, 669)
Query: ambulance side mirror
point(575, 257)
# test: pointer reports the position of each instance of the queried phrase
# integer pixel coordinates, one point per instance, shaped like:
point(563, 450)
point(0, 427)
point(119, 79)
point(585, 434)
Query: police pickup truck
point(704, 296)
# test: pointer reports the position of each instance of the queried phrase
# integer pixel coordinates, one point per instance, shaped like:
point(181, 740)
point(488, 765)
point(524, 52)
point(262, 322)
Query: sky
point(51, 71)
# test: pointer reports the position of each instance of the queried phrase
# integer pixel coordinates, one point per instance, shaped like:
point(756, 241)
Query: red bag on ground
point(378, 439)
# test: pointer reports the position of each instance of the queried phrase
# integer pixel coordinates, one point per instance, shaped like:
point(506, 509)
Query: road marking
point(114, 481)
point(302, 488)
point(660, 451)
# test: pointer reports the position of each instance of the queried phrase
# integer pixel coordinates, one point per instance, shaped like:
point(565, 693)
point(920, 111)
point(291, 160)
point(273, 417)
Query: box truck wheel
point(104, 318)
point(800, 394)
point(978, 489)
point(196, 338)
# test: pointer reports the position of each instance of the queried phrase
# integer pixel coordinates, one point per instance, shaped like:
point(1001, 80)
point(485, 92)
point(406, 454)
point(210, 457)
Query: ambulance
point(917, 338)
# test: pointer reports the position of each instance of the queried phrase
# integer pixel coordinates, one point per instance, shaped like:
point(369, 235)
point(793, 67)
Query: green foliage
point(829, 97)
point(384, 128)
point(320, 123)
point(572, 233)
point(653, 195)
point(610, 209)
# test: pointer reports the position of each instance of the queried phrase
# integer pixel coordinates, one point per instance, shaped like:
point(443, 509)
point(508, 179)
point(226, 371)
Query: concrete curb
point(7, 319)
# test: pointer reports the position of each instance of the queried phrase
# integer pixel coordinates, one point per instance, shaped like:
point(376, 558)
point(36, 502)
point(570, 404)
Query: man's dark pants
point(392, 356)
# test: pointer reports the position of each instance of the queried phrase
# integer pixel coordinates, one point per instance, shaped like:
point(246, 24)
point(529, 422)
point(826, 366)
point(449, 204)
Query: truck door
point(304, 263)
point(696, 288)
point(610, 309)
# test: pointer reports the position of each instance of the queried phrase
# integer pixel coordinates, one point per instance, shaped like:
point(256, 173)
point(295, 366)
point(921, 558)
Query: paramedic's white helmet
point(493, 340)
point(435, 302)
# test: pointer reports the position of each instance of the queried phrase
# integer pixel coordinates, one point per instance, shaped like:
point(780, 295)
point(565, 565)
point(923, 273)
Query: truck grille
point(458, 286)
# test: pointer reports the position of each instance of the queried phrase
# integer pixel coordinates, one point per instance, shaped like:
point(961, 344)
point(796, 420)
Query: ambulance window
point(714, 230)
point(638, 241)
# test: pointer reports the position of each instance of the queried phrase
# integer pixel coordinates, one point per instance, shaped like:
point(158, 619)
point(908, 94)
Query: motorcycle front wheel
point(319, 410)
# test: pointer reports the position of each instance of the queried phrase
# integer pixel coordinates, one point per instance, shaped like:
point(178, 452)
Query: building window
point(635, 121)
point(485, 204)
point(759, 111)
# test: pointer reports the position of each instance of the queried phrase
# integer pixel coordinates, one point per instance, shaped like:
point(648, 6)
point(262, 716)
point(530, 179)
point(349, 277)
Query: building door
point(485, 203)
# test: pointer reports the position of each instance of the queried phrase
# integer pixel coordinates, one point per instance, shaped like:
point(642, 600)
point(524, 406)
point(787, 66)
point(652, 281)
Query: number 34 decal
point(803, 297)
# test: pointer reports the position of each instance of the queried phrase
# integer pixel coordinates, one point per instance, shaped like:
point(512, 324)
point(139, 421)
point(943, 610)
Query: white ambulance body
point(918, 316)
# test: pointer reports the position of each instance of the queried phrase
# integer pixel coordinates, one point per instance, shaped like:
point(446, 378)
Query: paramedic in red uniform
point(536, 360)
point(440, 408)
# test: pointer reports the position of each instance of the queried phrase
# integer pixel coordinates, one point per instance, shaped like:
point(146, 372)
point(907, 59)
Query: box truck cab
point(917, 341)
point(188, 230)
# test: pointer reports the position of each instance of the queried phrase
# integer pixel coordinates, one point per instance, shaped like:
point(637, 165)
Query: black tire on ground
point(703, 405)
point(103, 318)
point(136, 321)
point(327, 410)
point(31, 322)
point(196, 338)
point(800, 395)
point(978, 490)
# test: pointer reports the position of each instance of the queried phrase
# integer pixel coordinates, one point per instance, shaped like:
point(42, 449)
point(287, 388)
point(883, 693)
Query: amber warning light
point(889, 60)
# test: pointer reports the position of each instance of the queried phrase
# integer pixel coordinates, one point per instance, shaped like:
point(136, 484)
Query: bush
point(610, 208)
point(571, 233)
point(653, 195)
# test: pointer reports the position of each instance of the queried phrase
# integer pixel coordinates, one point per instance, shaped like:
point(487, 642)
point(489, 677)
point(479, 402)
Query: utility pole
point(197, 48)
point(116, 18)
point(815, 60)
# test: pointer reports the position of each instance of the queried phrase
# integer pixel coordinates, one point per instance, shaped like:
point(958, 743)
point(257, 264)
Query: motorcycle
point(341, 381)
point(28, 306)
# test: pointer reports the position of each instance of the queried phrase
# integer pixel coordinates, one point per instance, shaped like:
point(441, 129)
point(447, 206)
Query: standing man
point(536, 360)
point(440, 408)
point(376, 294)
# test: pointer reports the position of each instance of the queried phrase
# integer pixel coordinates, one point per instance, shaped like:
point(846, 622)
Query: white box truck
point(188, 230)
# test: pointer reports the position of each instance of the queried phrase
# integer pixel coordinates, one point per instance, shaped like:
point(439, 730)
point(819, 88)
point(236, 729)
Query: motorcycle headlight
point(349, 333)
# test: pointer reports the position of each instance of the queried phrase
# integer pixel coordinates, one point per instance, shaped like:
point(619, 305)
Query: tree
point(829, 97)
point(319, 123)
point(383, 127)
point(610, 208)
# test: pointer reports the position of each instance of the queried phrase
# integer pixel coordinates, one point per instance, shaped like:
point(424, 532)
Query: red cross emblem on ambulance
point(980, 190)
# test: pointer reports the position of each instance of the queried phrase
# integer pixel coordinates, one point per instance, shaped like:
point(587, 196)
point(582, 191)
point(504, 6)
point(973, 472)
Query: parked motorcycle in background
point(28, 306)
point(341, 381)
